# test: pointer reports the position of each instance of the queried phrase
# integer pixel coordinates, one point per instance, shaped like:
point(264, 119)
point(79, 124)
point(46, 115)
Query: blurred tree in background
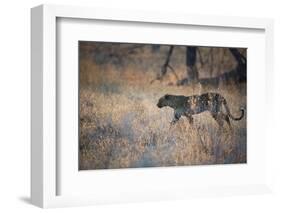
point(187, 64)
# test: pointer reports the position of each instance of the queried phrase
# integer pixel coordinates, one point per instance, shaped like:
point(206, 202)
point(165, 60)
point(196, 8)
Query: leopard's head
point(164, 101)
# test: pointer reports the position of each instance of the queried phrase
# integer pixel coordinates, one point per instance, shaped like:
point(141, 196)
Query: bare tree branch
point(166, 65)
point(200, 57)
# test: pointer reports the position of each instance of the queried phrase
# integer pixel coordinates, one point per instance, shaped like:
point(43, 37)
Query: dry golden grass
point(121, 126)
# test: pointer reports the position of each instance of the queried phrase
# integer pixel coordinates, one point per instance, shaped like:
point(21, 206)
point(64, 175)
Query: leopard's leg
point(226, 118)
point(176, 118)
point(189, 117)
point(218, 118)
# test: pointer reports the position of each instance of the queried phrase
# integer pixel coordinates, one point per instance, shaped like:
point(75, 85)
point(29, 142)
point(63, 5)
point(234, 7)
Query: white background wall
point(15, 105)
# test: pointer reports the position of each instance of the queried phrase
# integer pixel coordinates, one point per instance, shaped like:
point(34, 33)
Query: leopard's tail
point(230, 115)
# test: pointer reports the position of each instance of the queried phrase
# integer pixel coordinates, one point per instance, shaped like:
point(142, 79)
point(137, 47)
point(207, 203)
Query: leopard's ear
point(166, 96)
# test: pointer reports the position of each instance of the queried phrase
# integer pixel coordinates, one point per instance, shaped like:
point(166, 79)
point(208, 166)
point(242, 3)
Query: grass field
point(121, 126)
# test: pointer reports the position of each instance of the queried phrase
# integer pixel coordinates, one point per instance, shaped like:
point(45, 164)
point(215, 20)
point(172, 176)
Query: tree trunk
point(190, 62)
point(241, 64)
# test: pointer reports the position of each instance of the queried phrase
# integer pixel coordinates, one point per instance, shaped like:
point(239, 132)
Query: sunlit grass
point(121, 126)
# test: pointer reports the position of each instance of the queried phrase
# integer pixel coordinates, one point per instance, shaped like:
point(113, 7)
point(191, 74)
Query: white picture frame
point(44, 155)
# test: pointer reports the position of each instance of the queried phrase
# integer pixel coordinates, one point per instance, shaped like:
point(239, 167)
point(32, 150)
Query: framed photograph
point(129, 106)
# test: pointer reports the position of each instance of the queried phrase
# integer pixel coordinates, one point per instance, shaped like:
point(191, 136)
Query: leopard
point(188, 106)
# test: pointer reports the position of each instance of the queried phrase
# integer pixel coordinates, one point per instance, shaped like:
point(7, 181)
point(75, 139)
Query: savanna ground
point(121, 126)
